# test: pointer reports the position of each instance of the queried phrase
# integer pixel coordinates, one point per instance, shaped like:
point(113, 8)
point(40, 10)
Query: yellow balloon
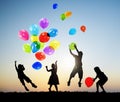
point(55, 44)
point(34, 38)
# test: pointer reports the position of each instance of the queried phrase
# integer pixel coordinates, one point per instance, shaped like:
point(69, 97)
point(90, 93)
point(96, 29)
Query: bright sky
point(100, 42)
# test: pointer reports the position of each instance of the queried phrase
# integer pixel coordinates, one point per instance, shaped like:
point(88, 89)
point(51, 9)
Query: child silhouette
point(22, 77)
point(102, 79)
point(77, 67)
point(53, 79)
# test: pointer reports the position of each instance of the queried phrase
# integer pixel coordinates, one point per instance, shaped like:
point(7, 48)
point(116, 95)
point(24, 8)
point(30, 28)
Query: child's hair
point(21, 67)
point(97, 69)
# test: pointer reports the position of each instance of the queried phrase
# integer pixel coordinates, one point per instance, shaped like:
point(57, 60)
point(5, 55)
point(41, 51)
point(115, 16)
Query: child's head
point(21, 67)
point(53, 65)
point(97, 69)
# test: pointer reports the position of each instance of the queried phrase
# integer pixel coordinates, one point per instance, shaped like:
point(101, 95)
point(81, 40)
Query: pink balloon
point(23, 34)
point(44, 23)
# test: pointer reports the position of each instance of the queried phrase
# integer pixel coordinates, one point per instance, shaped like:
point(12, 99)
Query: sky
point(100, 43)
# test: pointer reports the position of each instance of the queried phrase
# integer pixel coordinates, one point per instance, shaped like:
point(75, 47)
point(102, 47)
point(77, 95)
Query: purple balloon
point(49, 50)
point(44, 23)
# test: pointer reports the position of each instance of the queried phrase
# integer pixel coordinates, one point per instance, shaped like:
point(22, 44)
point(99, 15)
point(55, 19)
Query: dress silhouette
point(22, 77)
point(53, 79)
point(102, 79)
point(77, 67)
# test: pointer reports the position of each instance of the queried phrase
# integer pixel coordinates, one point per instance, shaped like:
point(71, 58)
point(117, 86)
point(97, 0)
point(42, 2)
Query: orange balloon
point(83, 28)
point(68, 13)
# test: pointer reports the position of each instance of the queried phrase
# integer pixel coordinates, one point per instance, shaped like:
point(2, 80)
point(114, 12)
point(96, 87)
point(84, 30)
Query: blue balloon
point(34, 29)
point(55, 5)
point(72, 31)
point(53, 32)
point(37, 65)
point(35, 46)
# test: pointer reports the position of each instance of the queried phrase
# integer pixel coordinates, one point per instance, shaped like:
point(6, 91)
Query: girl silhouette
point(53, 79)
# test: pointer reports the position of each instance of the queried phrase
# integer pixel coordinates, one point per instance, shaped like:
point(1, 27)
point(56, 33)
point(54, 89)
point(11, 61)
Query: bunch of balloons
point(38, 41)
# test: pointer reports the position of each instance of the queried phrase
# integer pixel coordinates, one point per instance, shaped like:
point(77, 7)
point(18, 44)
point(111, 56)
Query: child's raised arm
point(15, 65)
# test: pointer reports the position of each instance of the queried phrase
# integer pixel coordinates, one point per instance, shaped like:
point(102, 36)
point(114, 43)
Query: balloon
point(71, 46)
point(37, 65)
point(35, 46)
point(83, 28)
point(44, 23)
point(34, 30)
point(26, 48)
point(72, 31)
point(89, 81)
point(34, 38)
point(62, 16)
point(53, 32)
point(55, 5)
point(44, 37)
point(48, 50)
point(40, 56)
point(42, 45)
point(55, 44)
point(68, 13)
point(23, 34)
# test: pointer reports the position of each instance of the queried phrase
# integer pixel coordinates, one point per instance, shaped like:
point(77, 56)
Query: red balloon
point(89, 81)
point(44, 37)
point(83, 28)
point(40, 55)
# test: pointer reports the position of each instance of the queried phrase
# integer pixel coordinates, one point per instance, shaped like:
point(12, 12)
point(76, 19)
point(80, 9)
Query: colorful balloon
point(40, 55)
point(44, 37)
point(89, 81)
point(55, 5)
point(27, 48)
point(71, 46)
point(35, 46)
point(62, 16)
point(34, 29)
point(55, 44)
point(23, 34)
point(37, 65)
point(34, 38)
point(42, 45)
point(48, 50)
point(68, 13)
point(72, 31)
point(44, 23)
point(83, 28)
point(53, 32)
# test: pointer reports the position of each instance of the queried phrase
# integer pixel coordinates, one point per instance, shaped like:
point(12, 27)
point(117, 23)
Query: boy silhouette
point(77, 67)
point(22, 77)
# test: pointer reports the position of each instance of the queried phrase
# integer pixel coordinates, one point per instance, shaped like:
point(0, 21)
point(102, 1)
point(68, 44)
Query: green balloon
point(26, 48)
point(62, 16)
point(71, 46)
